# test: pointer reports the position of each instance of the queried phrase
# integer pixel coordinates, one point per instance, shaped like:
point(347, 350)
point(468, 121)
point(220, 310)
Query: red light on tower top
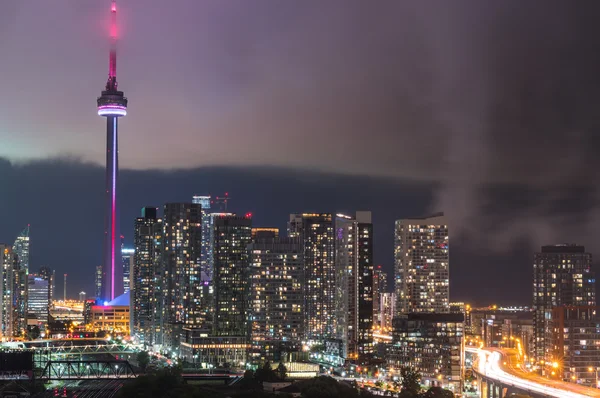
point(113, 7)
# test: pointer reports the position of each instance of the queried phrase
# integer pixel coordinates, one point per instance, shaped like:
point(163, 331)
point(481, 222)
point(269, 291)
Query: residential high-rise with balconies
point(379, 288)
point(562, 276)
point(179, 275)
point(317, 235)
point(422, 265)
point(231, 236)
point(148, 238)
point(354, 283)
point(8, 261)
point(276, 297)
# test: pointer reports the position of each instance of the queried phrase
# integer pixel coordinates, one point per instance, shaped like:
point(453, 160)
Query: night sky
point(488, 111)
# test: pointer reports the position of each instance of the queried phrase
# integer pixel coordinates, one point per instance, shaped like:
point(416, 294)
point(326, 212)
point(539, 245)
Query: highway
point(502, 365)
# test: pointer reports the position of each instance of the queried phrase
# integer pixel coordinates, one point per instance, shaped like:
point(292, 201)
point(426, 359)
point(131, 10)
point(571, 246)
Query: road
point(502, 365)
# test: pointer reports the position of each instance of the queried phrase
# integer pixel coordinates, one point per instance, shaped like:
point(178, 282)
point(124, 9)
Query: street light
point(591, 369)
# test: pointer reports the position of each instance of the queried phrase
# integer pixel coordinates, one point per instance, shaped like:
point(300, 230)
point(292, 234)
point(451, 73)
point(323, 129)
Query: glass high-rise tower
point(422, 257)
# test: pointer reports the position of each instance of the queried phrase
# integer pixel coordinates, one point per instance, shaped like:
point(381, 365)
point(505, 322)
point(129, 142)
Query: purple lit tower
point(112, 104)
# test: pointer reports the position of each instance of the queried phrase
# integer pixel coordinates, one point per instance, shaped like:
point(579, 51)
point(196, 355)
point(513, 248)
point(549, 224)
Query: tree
point(281, 371)
point(410, 380)
point(33, 332)
point(265, 373)
point(438, 392)
point(143, 359)
point(249, 382)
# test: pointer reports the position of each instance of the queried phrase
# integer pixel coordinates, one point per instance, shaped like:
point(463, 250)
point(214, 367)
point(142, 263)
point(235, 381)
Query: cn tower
point(112, 105)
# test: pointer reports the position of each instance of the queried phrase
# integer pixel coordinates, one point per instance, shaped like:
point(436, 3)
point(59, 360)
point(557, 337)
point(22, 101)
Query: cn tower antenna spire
point(111, 84)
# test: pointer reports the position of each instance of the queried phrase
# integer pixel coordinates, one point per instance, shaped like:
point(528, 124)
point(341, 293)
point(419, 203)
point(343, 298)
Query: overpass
point(501, 375)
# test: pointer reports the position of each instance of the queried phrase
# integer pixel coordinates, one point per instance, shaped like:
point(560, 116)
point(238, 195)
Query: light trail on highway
point(489, 365)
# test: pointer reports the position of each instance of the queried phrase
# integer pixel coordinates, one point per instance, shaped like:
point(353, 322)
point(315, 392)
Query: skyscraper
point(316, 233)
point(112, 104)
point(208, 258)
point(49, 275)
point(20, 282)
point(127, 255)
point(231, 236)
point(562, 276)
point(354, 282)
point(276, 298)
point(21, 249)
point(387, 310)
point(422, 265)
point(9, 262)
point(180, 271)
point(38, 300)
point(98, 279)
point(146, 268)
point(379, 288)
point(205, 203)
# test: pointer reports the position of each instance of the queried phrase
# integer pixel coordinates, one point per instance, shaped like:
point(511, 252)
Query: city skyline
point(388, 197)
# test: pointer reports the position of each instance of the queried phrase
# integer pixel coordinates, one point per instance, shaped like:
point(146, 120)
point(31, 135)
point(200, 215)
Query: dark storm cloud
point(492, 104)
point(63, 199)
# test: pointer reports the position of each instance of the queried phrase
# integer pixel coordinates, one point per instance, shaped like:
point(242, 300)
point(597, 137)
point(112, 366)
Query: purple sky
point(493, 104)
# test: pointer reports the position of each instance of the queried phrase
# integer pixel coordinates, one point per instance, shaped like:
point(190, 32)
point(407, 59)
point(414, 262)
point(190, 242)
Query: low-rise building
point(431, 343)
point(573, 343)
point(112, 317)
point(199, 348)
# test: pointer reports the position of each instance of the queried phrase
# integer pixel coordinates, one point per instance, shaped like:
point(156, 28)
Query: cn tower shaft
point(112, 104)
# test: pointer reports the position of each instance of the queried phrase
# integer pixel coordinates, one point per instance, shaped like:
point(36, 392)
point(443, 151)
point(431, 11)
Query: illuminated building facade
point(20, 282)
point(231, 236)
point(50, 275)
point(208, 226)
point(354, 283)
point(431, 344)
point(21, 249)
point(265, 233)
point(9, 261)
point(179, 281)
point(148, 243)
point(38, 301)
point(422, 274)
point(205, 268)
point(317, 235)
point(127, 255)
point(573, 344)
point(276, 298)
point(379, 287)
point(98, 275)
point(204, 351)
point(387, 310)
point(562, 276)
point(110, 318)
point(112, 105)
point(19, 291)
